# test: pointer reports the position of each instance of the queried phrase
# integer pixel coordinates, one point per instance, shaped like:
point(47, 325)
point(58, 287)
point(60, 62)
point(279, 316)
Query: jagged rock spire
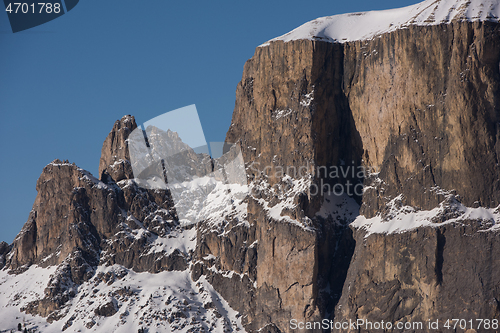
point(115, 158)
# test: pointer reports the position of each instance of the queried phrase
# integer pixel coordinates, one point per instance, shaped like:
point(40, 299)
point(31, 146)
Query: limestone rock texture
point(428, 274)
point(425, 101)
point(79, 223)
point(115, 156)
point(419, 106)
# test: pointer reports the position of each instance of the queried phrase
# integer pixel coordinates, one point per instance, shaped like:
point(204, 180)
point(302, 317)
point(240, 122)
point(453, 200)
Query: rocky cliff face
point(418, 109)
point(300, 111)
point(373, 194)
point(419, 106)
point(425, 101)
point(427, 274)
point(79, 223)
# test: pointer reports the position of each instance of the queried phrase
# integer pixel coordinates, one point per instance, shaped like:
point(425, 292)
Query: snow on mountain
point(400, 218)
point(17, 291)
point(120, 300)
point(366, 25)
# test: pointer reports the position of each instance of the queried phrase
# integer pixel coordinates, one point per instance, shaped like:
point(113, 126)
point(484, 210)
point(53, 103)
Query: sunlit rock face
point(418, 109)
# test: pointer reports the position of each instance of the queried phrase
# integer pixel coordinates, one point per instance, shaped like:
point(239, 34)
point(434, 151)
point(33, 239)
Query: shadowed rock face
point(292, 113)
point(4, 250)
point(288, 115)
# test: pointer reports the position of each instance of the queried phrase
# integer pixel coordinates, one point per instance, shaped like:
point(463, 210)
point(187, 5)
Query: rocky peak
point(115, 157)
point(79, 223)
point(64, 218)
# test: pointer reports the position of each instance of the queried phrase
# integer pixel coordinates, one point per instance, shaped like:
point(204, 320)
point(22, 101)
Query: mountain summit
point(367, 25)
point(373, 194)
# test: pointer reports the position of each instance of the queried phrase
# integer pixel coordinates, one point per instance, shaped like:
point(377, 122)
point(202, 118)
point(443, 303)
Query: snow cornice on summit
point(366, 25)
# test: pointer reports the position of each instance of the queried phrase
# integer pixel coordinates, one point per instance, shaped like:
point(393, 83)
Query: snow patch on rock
point(117, 299)
point(401, 218)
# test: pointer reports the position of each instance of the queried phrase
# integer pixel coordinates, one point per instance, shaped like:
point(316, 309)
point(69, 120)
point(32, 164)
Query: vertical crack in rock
point(441, 242)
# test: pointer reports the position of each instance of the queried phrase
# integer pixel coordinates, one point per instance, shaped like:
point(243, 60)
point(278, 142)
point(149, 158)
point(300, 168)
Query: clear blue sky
point(64, 83)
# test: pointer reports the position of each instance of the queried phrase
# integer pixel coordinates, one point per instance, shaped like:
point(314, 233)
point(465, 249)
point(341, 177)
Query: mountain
point(371, 144)
point(367, 25)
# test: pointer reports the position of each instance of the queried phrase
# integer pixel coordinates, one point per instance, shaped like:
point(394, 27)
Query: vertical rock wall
point(425, 101)
point(419, 108)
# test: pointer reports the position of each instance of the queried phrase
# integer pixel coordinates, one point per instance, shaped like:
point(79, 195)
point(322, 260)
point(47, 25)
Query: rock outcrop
point(115, 156)
point(4, 250)
point(60, 221)
point(427, 274)
point(79, 223)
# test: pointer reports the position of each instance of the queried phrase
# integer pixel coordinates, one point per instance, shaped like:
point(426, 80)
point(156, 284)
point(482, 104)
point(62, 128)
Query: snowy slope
point(17, 291)
point(366, 25)
point(163, 302)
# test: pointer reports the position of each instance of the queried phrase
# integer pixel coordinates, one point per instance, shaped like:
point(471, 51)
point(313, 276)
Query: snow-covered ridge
point(366, 25)
point(400, 218)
